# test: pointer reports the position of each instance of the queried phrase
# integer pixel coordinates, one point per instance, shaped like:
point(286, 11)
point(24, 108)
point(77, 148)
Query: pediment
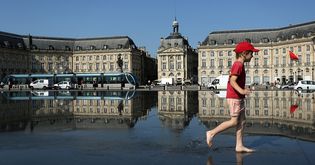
point(172, 50)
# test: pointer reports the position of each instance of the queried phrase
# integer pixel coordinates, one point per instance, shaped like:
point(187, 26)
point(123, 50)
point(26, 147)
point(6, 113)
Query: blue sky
point(146, 21)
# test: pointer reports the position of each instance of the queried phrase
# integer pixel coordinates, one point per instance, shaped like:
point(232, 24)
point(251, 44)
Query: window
point(104, 57)
point(220, 62)
point(256, 61)
point(229, 62)
point(163, 65)
point(203, 54)
point(50, 66)
point(77, 58)
point(171, 65)
point(105, 46)
point(276, 51)
point(203, 63)
point(212, 63)
point(212, 53)
point(229, 53)
point(111, 66)
point(284, 60)
point(220, 53)
point(265, 61)
point(77, 66)
point(97, 66)
point(299, 48)
point(179, 65)
point(283, 50)
point(51, 47)
point(125, 65)
point(277, 60)
point(265, 52)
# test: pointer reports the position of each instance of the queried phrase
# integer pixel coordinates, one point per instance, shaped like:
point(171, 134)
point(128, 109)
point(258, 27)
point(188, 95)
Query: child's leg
point(239, 134)
point(223, 126)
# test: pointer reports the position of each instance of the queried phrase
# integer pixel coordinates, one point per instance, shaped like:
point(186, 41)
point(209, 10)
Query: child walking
point(235, 95)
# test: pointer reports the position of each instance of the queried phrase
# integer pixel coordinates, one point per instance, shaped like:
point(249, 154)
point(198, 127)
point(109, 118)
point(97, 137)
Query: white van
point(167, 81)
point(219, 83)
point(305, 85)
point(39, 84)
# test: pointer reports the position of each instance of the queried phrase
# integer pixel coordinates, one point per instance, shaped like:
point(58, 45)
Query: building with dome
point(176, 58)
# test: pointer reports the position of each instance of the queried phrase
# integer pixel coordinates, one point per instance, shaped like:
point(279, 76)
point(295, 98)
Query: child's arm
point(234, 84)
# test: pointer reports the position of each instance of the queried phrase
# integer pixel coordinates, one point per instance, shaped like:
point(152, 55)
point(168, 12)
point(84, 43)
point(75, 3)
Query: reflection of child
point(235, 95)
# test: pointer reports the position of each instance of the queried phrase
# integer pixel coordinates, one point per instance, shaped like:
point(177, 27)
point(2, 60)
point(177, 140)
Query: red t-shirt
point(239, 71)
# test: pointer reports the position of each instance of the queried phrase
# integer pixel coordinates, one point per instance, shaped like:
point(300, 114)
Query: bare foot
point(209, 135)
point(244, 149)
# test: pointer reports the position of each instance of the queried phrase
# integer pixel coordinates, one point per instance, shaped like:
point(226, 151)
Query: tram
point(68, 95)
point(79, 80)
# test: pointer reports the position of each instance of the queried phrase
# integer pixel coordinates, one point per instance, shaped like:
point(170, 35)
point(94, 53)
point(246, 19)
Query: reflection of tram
point(80, 80)
point(72, 95)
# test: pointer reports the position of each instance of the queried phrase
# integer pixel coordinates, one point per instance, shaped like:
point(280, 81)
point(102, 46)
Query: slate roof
point(174, 40)
point(261, 35)
point(10, 40)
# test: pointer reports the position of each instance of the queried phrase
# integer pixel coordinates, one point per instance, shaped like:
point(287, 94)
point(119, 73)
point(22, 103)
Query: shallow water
point(164, 127)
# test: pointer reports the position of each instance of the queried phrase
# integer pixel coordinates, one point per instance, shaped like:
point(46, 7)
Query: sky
point(146, 21)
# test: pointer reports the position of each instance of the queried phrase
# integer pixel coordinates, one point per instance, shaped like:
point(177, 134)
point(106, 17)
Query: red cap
point(243, 46)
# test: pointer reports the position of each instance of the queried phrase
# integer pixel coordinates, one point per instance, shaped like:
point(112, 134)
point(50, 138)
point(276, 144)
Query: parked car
point(40, 84)
point(156, 82)
point(63, 85)
point(305, 85)
point(288, 86)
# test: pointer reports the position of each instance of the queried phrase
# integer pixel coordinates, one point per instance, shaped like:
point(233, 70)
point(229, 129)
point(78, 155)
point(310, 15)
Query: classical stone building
point(36, 54)
point(13, 55)
point(176, 108)
point(272, 64)
point(176, 58)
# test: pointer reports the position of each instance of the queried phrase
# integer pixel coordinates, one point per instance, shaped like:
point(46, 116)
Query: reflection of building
point(88, 109)
point(14, 115)
point(59, 55)
point(271, 64)
point(176, 108)
point(284, 112)
point(176, 58)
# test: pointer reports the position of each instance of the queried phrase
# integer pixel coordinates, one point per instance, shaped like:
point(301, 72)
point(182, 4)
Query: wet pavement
point(153, 128)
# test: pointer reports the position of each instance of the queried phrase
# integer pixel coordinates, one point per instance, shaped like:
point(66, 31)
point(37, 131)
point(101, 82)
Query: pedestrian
point(235, 95)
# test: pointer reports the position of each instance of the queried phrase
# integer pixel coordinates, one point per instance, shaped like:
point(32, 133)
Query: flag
point(293, 56)
point(293, 108)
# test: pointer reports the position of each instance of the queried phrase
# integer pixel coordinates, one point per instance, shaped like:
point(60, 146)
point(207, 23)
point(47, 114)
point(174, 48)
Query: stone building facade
point(36, 54)
point(176, 58)
point(272, 64)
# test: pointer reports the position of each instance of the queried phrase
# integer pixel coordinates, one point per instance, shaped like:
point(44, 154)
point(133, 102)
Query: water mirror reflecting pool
point(152, 127)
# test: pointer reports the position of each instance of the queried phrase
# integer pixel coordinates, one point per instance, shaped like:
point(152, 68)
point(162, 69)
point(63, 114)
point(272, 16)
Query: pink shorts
point(236, 106)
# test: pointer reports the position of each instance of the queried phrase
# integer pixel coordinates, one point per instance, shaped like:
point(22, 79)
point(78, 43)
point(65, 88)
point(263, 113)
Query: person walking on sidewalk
point(235, 95)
